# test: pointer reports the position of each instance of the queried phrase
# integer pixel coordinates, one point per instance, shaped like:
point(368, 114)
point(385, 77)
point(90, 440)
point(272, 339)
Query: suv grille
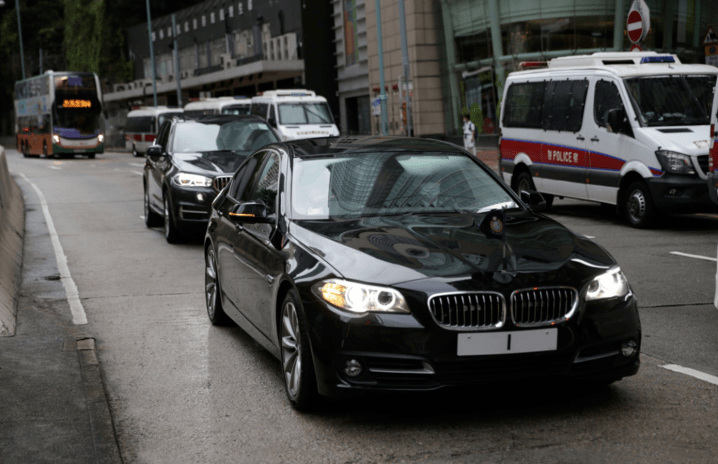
point(467, 311)
point(221, 182)
point(542, 306)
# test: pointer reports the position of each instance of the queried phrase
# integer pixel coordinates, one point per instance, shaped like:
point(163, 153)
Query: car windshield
point(236, 109)
point(304, 113)
point(676, 100)
point(390, 183)
point(238, 136)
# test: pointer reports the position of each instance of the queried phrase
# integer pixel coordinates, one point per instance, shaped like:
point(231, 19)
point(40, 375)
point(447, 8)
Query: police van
point(142, 126)
point(218, 105)
point(625, 128)
point(713, 155)
point(295, 113)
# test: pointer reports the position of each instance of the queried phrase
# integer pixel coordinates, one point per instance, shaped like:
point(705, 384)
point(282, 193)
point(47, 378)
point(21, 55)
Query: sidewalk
point(490, 157)
point(53, 406)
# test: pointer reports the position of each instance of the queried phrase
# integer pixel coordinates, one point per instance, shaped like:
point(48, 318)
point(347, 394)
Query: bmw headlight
point(184, 179)
point(675, 163)
point(611, 284)
point(360, 298)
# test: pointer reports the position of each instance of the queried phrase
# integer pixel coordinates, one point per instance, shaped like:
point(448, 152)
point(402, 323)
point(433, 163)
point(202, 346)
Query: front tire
point(134, 151)
point(524, 182)
point(152, 219)
point(638, 206)
point(171, 231)
point(212, 293)
point(296, 356)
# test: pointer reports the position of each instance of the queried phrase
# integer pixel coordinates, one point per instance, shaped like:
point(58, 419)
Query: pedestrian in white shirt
point(469, 129)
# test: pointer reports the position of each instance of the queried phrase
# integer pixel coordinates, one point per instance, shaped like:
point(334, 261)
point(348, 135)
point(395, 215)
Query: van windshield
point(676, 100)
point(304, 113)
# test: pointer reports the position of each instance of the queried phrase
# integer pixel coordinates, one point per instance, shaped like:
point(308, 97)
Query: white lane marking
point(73, 296)
point(138, 173)
point(707, 258)
point(142, 217)
point(692, 372)
point(56, 168)
point(139, 165)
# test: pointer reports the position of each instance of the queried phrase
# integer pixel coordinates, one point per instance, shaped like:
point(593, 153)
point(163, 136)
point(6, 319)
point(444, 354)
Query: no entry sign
point(634, 26)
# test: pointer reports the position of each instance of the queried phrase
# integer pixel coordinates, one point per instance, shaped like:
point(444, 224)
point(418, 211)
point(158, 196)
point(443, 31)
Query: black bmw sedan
point(190, 162)
point(406, 264)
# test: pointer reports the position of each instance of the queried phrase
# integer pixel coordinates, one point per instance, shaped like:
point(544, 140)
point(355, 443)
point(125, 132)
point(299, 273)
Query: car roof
point(223, 118)
point(153, 111)
point(328, 146)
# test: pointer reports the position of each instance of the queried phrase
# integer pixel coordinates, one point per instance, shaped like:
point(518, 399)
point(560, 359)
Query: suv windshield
point(677, 100)
point(304, 113)
point(237, 136)
point(389, 183)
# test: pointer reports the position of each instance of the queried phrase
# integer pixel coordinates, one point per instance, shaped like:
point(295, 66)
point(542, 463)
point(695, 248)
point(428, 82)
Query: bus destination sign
point(76, 104)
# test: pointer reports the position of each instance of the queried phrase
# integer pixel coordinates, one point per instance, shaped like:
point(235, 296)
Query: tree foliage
point(84, 26)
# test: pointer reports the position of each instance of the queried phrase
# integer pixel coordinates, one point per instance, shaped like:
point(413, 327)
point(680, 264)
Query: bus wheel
point(23, 148)
point(44, 148)
point(91, 155)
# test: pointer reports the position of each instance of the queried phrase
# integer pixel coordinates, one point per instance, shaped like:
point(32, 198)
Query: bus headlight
point(101, 138)
point(56, 139)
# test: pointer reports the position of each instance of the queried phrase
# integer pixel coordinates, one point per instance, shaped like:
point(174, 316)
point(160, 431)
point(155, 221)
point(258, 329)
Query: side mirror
point(534, 200)
point(617, 121)
point(154, 150)
point(272, 122)
point(251, 213)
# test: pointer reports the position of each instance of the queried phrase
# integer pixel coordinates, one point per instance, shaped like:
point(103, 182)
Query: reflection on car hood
point(210, 163)
point(392, 250)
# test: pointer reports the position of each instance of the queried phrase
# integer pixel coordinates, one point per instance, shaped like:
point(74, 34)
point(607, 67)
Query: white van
point(713, 154)
point(142, 127)
point(296, 113)
point(622, 128)
point(219, 105)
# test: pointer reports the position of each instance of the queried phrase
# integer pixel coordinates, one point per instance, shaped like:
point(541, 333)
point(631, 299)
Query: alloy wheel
point(167, 216)
point(210, 283)
point(291, 349)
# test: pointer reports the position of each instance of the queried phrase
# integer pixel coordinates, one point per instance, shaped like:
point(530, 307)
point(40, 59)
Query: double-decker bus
point(58, 113)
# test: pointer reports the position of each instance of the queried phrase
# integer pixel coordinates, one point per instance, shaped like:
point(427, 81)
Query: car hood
point(392, 250)
point(691, 140)
point(209, 163)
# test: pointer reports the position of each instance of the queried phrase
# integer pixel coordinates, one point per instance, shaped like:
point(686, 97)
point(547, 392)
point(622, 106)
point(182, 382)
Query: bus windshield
point(672, 100)
point(77, 123)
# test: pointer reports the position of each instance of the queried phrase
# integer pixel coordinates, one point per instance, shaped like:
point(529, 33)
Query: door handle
point(580, 137)
point(594, 139)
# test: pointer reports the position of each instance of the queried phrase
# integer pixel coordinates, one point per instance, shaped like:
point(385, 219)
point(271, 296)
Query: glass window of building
point(211, 17)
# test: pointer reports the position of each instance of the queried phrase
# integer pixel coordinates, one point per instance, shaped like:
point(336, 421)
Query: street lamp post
point(152, 52)
point(19, 30)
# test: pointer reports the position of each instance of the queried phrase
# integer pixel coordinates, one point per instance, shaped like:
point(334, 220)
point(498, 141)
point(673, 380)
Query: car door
point(563, 149)
point(156, 166)
point(257, 261)
point(227, 229)
point(609, 151)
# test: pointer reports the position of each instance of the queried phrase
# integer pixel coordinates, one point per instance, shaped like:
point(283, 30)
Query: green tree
point(84, 26)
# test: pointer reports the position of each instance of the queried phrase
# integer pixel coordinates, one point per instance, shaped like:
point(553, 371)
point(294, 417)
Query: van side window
point(563, 105)
point(523, 105)
point(260, 109)
point(606, 98)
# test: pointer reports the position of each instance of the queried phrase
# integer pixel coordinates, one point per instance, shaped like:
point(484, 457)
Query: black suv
point(191, 161)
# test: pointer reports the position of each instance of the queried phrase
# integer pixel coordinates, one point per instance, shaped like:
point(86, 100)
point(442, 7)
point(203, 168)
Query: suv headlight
point(184, 179)
point(675, 163)
point(611, 284)
point(360, 298)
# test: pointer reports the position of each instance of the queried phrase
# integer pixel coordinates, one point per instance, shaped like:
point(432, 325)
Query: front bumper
point(188, 210)
point(404, 352)
point(676, 193)
point(59, 149)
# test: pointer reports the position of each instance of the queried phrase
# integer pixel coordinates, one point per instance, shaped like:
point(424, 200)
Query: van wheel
point(524, 182)
point(134, 151)
point(638, 205)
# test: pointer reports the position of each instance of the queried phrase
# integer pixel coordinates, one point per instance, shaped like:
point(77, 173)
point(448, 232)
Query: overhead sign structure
point(638, 22)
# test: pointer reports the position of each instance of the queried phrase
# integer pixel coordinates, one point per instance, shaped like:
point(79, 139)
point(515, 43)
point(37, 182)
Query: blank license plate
point(525, 341)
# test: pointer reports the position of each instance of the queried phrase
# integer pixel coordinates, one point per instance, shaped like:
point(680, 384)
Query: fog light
point(352, 368)
point(628, 349)
point(672, 191)
point(200, 197)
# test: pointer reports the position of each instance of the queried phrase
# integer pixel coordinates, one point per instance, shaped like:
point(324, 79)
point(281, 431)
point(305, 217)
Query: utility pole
point(40, 60)
point(405, 62)
point(176, 60)
point(152, 52)
point(382, 93)
point(19, 31)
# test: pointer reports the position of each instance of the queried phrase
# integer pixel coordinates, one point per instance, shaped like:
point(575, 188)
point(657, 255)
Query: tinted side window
point(267, 184)
point(144, 124)
point(606, 97)
point(243, 178)
point(252, 177)
point(563, 105)
point(271, 113)
point(164, 134)
point(260, 109)
point(523, 105)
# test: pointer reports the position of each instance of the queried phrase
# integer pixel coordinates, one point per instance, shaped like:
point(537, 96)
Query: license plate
point(525, 341)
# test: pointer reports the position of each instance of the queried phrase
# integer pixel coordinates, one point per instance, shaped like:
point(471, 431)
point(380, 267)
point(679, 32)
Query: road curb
point(12, 230)
point(98, 408)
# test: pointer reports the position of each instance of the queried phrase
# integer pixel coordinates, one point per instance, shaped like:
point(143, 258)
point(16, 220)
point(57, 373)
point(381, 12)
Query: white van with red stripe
point(621, 128)
point(713, 154)
point(142, 127)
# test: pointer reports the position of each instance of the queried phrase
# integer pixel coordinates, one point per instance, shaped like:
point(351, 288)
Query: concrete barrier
point(12, 229)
